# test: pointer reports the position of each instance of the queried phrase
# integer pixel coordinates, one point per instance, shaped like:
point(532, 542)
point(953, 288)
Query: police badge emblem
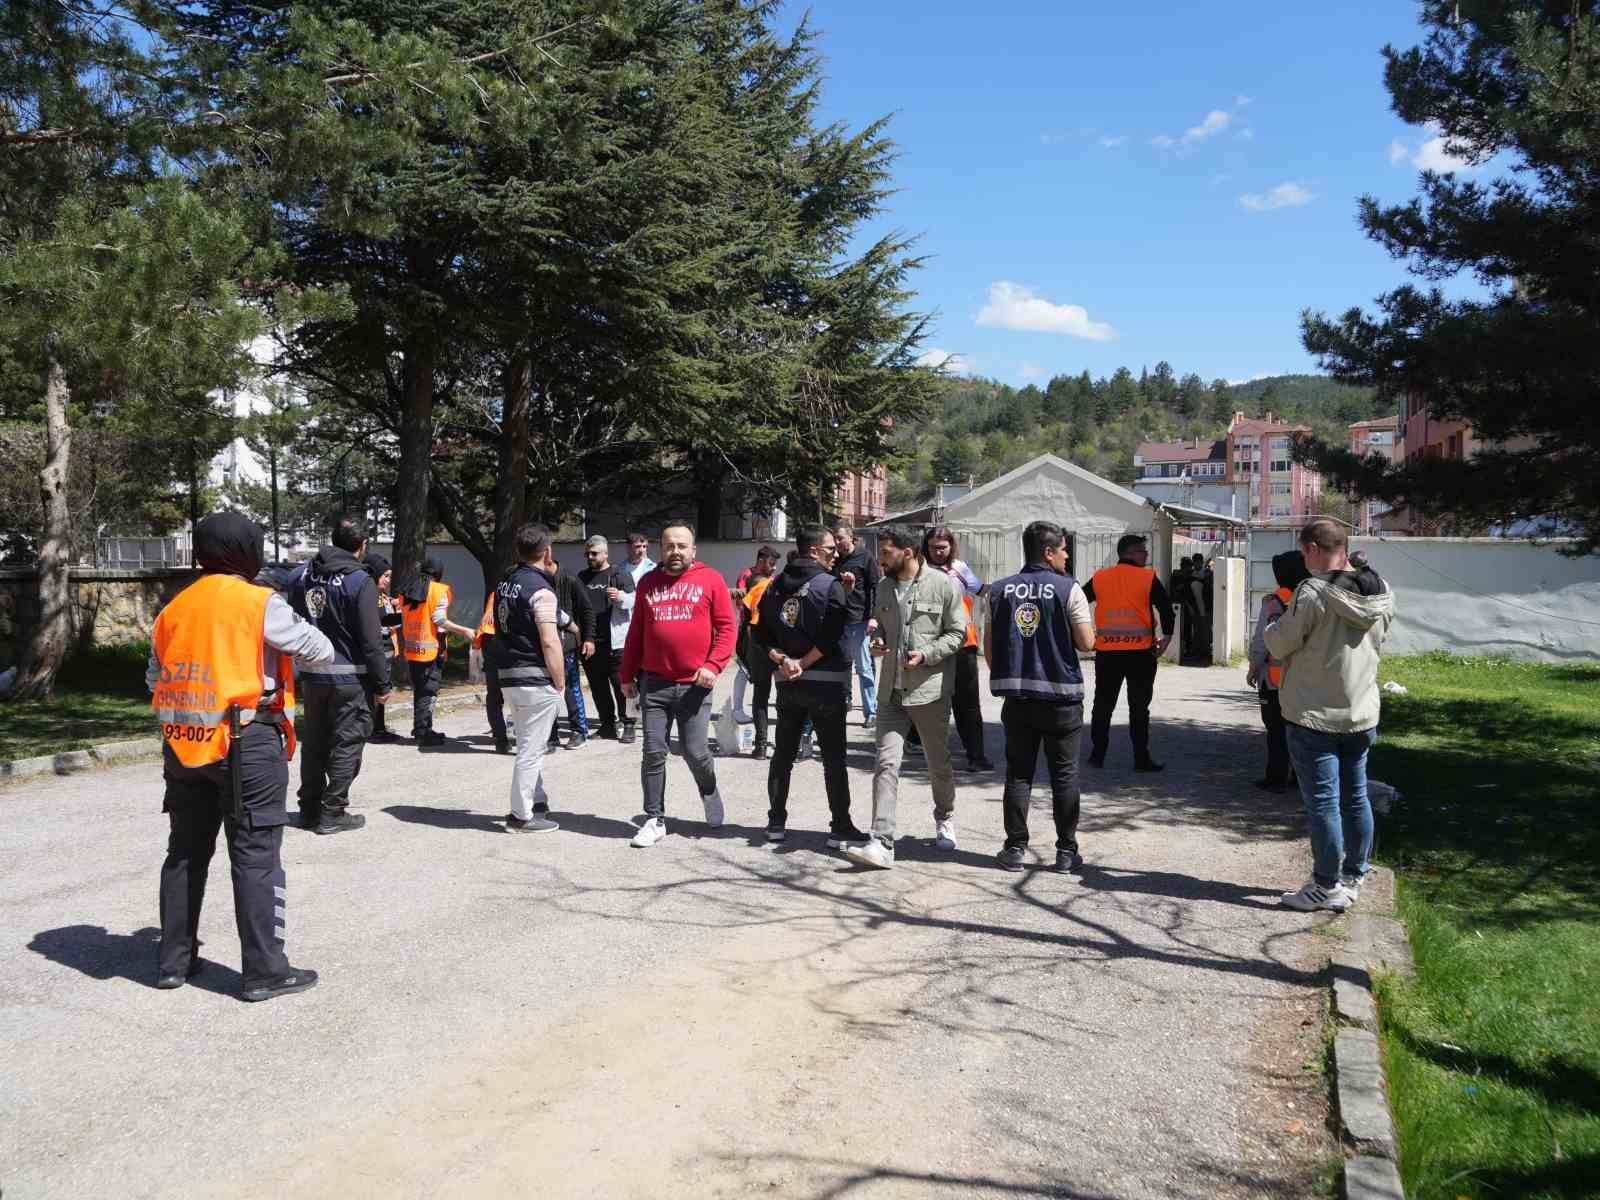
point(790, 613)
point(1027, 619)
point(502, 614)
point(316, 602)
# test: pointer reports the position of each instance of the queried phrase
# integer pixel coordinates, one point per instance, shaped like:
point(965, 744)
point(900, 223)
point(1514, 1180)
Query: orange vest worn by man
point(1128, 600)
point(425, 613)
point(221, 682)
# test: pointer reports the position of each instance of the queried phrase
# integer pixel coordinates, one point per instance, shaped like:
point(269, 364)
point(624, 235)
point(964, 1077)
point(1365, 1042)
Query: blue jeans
point(857, 651)
point(1332, 770)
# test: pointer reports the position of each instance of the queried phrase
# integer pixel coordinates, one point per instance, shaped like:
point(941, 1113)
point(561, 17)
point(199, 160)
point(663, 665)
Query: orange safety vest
point(752, 598)
point(209, 643)
point(416, 621)
point(486, 623)
point(972, 627)
point(1123, 617)
point(1274, 667)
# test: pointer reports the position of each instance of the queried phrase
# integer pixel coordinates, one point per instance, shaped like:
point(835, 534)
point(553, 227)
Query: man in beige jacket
point(1328, 642)
point(921, 624)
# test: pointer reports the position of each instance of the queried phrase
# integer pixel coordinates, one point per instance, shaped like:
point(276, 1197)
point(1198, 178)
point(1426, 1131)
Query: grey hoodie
point(1328, 642)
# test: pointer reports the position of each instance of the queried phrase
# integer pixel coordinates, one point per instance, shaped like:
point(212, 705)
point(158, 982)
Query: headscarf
point(1289, 568)
point(414, 588)
point(228, 543)
point(376, 565)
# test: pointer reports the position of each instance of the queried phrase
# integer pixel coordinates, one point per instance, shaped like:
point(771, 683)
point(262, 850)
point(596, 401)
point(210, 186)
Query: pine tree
point(1516, 82)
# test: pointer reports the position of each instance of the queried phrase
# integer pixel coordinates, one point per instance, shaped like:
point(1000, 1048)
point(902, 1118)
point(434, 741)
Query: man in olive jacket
point(921, 624)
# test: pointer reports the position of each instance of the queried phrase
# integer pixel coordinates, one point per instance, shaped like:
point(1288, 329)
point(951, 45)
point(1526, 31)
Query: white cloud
point(1212, 124)
point(1242, 100)
point(1285, 195)
point(1012, 306)
point(1432, 155)
point(1033, 373)
point(1251, 378)
point(1109, 142)
point(953, 364)
point(1162, 142)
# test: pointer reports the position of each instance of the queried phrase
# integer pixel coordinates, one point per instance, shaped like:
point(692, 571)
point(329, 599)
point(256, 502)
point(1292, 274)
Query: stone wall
point(108, 606)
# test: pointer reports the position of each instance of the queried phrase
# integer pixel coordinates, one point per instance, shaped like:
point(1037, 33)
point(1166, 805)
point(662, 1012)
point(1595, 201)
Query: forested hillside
point(983, 428)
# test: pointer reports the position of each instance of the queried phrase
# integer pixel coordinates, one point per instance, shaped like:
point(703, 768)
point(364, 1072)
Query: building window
point(1280, 443)
point(1281, 464)
point(1280, 489)
point(1278, 510)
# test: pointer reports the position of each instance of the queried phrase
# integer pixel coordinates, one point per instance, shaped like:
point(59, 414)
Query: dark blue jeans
point(1332, 770)
point(661, 703)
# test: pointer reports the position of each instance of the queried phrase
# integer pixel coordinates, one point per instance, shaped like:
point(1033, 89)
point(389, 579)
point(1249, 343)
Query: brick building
point(1381, 437)
point(863, 497)
point(1281, 491)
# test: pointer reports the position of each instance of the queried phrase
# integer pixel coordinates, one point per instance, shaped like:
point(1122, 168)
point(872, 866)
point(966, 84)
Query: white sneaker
point(1352, 887)
point(871, 854)
point(944, 836)
point(713, 804)
point(1313, 897)
point(651, 832)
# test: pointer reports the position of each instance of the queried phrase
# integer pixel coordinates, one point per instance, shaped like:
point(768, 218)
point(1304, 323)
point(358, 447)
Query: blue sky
point(1107, 184)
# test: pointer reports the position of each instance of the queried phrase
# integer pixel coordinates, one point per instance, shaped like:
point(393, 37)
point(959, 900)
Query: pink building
point(863, 497)
point(1381, 437)
point(1282, 491)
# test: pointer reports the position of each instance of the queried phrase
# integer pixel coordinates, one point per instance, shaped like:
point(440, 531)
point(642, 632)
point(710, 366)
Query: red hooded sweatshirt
point(680, 624)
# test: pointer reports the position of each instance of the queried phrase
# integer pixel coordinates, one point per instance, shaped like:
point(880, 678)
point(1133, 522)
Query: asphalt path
point(562, 1015)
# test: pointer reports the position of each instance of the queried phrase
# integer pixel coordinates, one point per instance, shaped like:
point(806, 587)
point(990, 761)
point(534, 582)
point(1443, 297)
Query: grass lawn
point(100, 697)
point(1493, 1051)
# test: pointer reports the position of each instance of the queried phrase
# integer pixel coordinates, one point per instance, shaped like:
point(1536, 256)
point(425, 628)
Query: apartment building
point(1381, 437)
point(863, 496)
point(1281, 491)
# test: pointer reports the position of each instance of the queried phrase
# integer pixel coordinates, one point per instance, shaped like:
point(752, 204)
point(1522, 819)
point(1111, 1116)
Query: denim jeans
point(661, 702)
point(858, 652)
point(1332, 770)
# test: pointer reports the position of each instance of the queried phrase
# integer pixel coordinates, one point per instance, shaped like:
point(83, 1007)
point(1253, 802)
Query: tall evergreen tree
point(1516, 82)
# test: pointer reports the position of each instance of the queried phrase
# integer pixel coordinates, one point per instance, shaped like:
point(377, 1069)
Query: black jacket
point(348, 612)
point(573, 599)
point(815, 619)
point(859, 599)
point(595, 581)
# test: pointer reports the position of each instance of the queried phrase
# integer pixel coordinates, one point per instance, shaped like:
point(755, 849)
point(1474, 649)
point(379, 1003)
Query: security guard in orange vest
point(494, 700)
point(1127, 599)
point(1266, 673)
point(424, 612)
point(221, 683)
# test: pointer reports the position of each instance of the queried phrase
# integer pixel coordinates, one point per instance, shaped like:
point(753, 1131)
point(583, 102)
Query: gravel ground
point(564, 1016)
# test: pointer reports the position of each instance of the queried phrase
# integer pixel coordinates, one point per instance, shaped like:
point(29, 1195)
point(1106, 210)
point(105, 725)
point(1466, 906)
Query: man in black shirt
point(860, 574)
point(575, 624)
point(604, 585)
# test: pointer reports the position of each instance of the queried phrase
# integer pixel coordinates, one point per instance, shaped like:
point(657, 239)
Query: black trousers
point(494, 700)
point(966, 704)
point(198, 802)
point(1032, 725)
point(1277, 737)
point(384, 684)
point(1111, 668)
point(335, 723)
point(426, 677)
point(759, 669)
point(824, 707)
point(603, 669)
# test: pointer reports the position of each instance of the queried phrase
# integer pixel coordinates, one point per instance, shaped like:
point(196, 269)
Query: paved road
point(564, 1016)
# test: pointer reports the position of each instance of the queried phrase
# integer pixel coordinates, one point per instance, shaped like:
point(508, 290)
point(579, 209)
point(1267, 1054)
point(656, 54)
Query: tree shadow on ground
point(100, 954)
point(464, 818)
point(1568, 1084)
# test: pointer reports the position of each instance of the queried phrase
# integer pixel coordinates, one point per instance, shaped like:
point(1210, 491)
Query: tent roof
point(956, 508)
point(1182, 514)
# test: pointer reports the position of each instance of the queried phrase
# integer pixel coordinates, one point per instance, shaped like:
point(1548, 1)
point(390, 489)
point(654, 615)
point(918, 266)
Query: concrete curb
point(1376, 941)
point(112, 753)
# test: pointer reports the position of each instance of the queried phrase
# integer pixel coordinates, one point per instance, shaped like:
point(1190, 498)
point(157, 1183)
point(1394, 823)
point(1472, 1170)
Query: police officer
point(801, 632)
point(221, 682)
point(335, 592)
point(1127, 599)
point(389, 618)
point(1038, 621)
point(531, 666)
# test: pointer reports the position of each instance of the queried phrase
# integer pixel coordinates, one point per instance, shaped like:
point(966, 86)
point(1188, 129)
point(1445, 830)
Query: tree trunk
point(416, 448)
point(510, 503)
point(46, 648)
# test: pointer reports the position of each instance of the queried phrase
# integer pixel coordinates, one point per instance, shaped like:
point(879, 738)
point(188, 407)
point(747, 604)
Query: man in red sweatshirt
point(681, 637)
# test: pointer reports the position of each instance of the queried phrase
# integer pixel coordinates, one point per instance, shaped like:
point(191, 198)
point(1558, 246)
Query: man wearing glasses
point(610, 591)
point(801, 631)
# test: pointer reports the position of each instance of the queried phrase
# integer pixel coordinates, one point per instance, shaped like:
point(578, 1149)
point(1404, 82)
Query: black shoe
point(1068, 860)
point(1267, 785)
point(577, 740)
point(502, 747)
point(534, 824)
point(759, 750)
point(608, 732)
point(343, 823)
point(168, 982)
point(309, 820)
point(1149, 764)
point(432, 738)
point(850, 837)
point(553, 745)
point(1097, 760)
point(1011, 858)
point(299, 979)
point(541, 806)
point(383, 735)
point(979, 764)
point(627, 734)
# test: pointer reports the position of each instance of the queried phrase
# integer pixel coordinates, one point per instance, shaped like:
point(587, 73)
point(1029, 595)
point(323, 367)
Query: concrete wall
point(1489, 596)
point(1230, 628)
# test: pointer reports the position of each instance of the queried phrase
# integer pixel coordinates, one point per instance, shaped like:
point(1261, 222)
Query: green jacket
point(938, 627)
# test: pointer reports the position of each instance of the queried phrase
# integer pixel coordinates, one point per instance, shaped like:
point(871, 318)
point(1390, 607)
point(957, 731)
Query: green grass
point(1493, 1051)
point(100, 697)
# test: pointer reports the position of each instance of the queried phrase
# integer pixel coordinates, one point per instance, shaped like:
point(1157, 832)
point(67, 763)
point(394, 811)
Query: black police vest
point(517, 651)
point(797, 620)
point(331, 600)
point(1032, 654)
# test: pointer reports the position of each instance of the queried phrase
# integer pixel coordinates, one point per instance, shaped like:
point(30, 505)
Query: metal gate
point(1264, 543)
